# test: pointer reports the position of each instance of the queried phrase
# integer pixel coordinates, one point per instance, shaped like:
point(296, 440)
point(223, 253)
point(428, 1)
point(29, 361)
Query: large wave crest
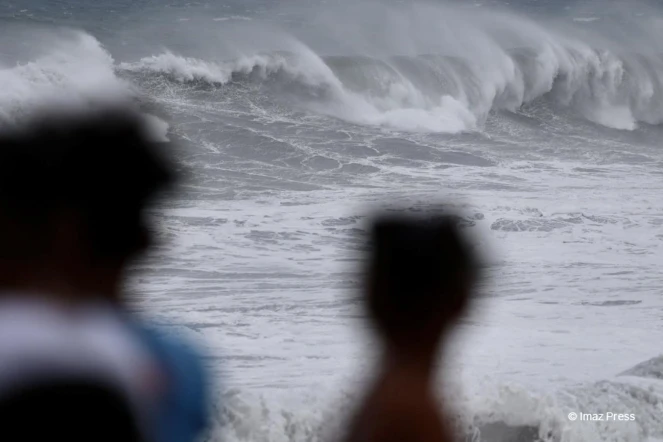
point(454, 70)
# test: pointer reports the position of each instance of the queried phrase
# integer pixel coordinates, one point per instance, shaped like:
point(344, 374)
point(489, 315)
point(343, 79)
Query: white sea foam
point(74, 72)
point(481, 62)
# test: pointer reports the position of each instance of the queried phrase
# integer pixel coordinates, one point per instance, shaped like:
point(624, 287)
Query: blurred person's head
point(25, 215)
point(419, 280)
point(78, 210)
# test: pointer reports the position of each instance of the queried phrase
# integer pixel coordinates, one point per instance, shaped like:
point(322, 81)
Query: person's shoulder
point(181, 359)
point(65, 370)
point(187, 377)
point(410, 415)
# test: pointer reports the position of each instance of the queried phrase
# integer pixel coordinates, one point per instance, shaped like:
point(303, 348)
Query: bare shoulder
point(413, 417)
point(399, 410)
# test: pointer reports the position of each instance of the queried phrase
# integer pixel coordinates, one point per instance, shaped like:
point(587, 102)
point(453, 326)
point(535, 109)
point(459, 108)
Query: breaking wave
point(443, 93)
point(500, 66)
point(72, 72)
point(477, 64)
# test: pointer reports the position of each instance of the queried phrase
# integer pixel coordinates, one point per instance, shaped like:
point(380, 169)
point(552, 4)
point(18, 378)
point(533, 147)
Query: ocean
point(538, 121)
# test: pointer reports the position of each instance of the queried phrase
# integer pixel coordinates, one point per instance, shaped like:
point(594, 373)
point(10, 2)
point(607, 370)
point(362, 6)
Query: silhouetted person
point(105, 175)
point(419, 279)
point(68, 370)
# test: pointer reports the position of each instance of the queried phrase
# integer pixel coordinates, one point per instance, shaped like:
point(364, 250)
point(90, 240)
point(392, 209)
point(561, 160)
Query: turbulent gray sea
point(540, 121)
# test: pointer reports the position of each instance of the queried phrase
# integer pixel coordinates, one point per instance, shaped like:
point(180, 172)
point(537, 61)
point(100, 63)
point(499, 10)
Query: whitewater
point(540, 122)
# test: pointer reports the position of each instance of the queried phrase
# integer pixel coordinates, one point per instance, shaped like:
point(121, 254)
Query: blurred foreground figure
point(73, 192)
point(420, 277)
point(69, 370)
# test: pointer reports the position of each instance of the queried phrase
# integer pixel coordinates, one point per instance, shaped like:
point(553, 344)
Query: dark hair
point(25, 200)
point(420, 270)
point(100, 166)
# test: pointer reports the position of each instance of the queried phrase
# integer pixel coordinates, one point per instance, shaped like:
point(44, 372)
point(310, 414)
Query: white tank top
point(42, 340)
